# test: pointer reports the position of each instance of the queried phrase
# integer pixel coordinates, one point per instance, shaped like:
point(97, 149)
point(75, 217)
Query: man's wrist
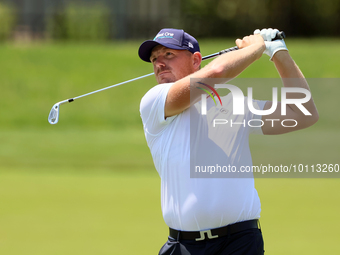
point(261, 49)
point(281, 56)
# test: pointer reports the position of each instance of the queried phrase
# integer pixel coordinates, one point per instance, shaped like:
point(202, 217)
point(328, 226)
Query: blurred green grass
point(34, 77)
point(119, 213)
point(88, 185)
point(83, 213)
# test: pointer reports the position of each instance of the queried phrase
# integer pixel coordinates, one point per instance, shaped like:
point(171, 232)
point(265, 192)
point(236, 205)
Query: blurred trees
point(126, 19)
point(80, 22)
point(241, 17)
point(7, 21)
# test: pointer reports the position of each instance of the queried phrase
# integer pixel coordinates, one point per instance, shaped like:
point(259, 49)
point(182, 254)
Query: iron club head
point(53, 117)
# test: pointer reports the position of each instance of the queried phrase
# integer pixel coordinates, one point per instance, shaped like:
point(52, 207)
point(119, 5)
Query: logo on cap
point(164, 35)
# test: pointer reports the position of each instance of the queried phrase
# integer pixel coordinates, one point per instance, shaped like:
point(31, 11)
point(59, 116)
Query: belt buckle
point(209, 235)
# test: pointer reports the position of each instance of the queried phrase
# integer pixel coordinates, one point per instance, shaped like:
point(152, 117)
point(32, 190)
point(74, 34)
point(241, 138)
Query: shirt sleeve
point(152, 109)
point(256, 127)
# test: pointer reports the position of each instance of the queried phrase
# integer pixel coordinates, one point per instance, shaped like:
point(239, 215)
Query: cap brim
point(146, 47)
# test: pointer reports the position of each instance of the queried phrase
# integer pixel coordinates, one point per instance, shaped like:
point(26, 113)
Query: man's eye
point(169, 53)
point(153, 60)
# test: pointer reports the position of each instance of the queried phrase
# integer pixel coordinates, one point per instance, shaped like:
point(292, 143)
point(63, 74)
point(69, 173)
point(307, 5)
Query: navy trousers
point(247, 242)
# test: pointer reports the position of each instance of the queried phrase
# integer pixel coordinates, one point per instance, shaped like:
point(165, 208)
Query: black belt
point(214, 233)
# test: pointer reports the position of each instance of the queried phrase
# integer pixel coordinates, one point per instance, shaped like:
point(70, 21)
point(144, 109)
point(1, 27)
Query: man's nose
point(159, 61)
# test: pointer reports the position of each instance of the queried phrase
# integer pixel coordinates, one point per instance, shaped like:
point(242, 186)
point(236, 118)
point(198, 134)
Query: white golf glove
point(271, 46)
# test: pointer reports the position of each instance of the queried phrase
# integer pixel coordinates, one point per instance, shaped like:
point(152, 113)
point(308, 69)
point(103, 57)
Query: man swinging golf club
point(209, 215)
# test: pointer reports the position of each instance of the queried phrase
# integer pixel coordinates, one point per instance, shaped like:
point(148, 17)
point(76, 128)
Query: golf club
point(53, 117)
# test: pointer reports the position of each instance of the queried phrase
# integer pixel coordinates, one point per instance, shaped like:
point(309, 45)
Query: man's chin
point(166, 80)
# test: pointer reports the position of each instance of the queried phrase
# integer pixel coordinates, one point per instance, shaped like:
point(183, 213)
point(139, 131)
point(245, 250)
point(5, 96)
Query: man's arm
point(292, 77)
point(226, 66)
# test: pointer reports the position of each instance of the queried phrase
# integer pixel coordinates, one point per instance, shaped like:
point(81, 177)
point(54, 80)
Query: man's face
point(171, 65)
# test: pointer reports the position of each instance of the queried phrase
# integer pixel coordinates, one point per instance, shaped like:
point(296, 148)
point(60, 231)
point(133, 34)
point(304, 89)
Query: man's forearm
point(232, 64)
point(292, 77)
point(226, 66)
point(286, 66)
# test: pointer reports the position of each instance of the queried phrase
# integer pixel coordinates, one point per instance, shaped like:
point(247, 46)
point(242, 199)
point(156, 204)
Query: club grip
point(280, 35)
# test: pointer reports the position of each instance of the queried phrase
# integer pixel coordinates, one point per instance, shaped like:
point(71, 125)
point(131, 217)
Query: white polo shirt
point(194, 204)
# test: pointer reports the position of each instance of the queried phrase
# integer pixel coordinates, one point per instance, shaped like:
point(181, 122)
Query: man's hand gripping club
point(271, 46)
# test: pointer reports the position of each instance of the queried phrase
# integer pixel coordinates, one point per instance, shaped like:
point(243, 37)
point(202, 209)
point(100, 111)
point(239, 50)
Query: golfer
point(210, 215)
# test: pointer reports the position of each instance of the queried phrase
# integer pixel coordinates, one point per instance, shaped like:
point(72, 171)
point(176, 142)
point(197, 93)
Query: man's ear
point(197, 59)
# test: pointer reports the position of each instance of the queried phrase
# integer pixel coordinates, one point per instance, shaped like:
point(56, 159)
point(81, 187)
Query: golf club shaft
point(144, 76)
point(109, 87)
point(279, 35)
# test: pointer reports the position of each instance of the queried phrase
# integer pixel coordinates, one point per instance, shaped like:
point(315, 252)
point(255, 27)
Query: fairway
point(88, 185)
point(100, 213)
